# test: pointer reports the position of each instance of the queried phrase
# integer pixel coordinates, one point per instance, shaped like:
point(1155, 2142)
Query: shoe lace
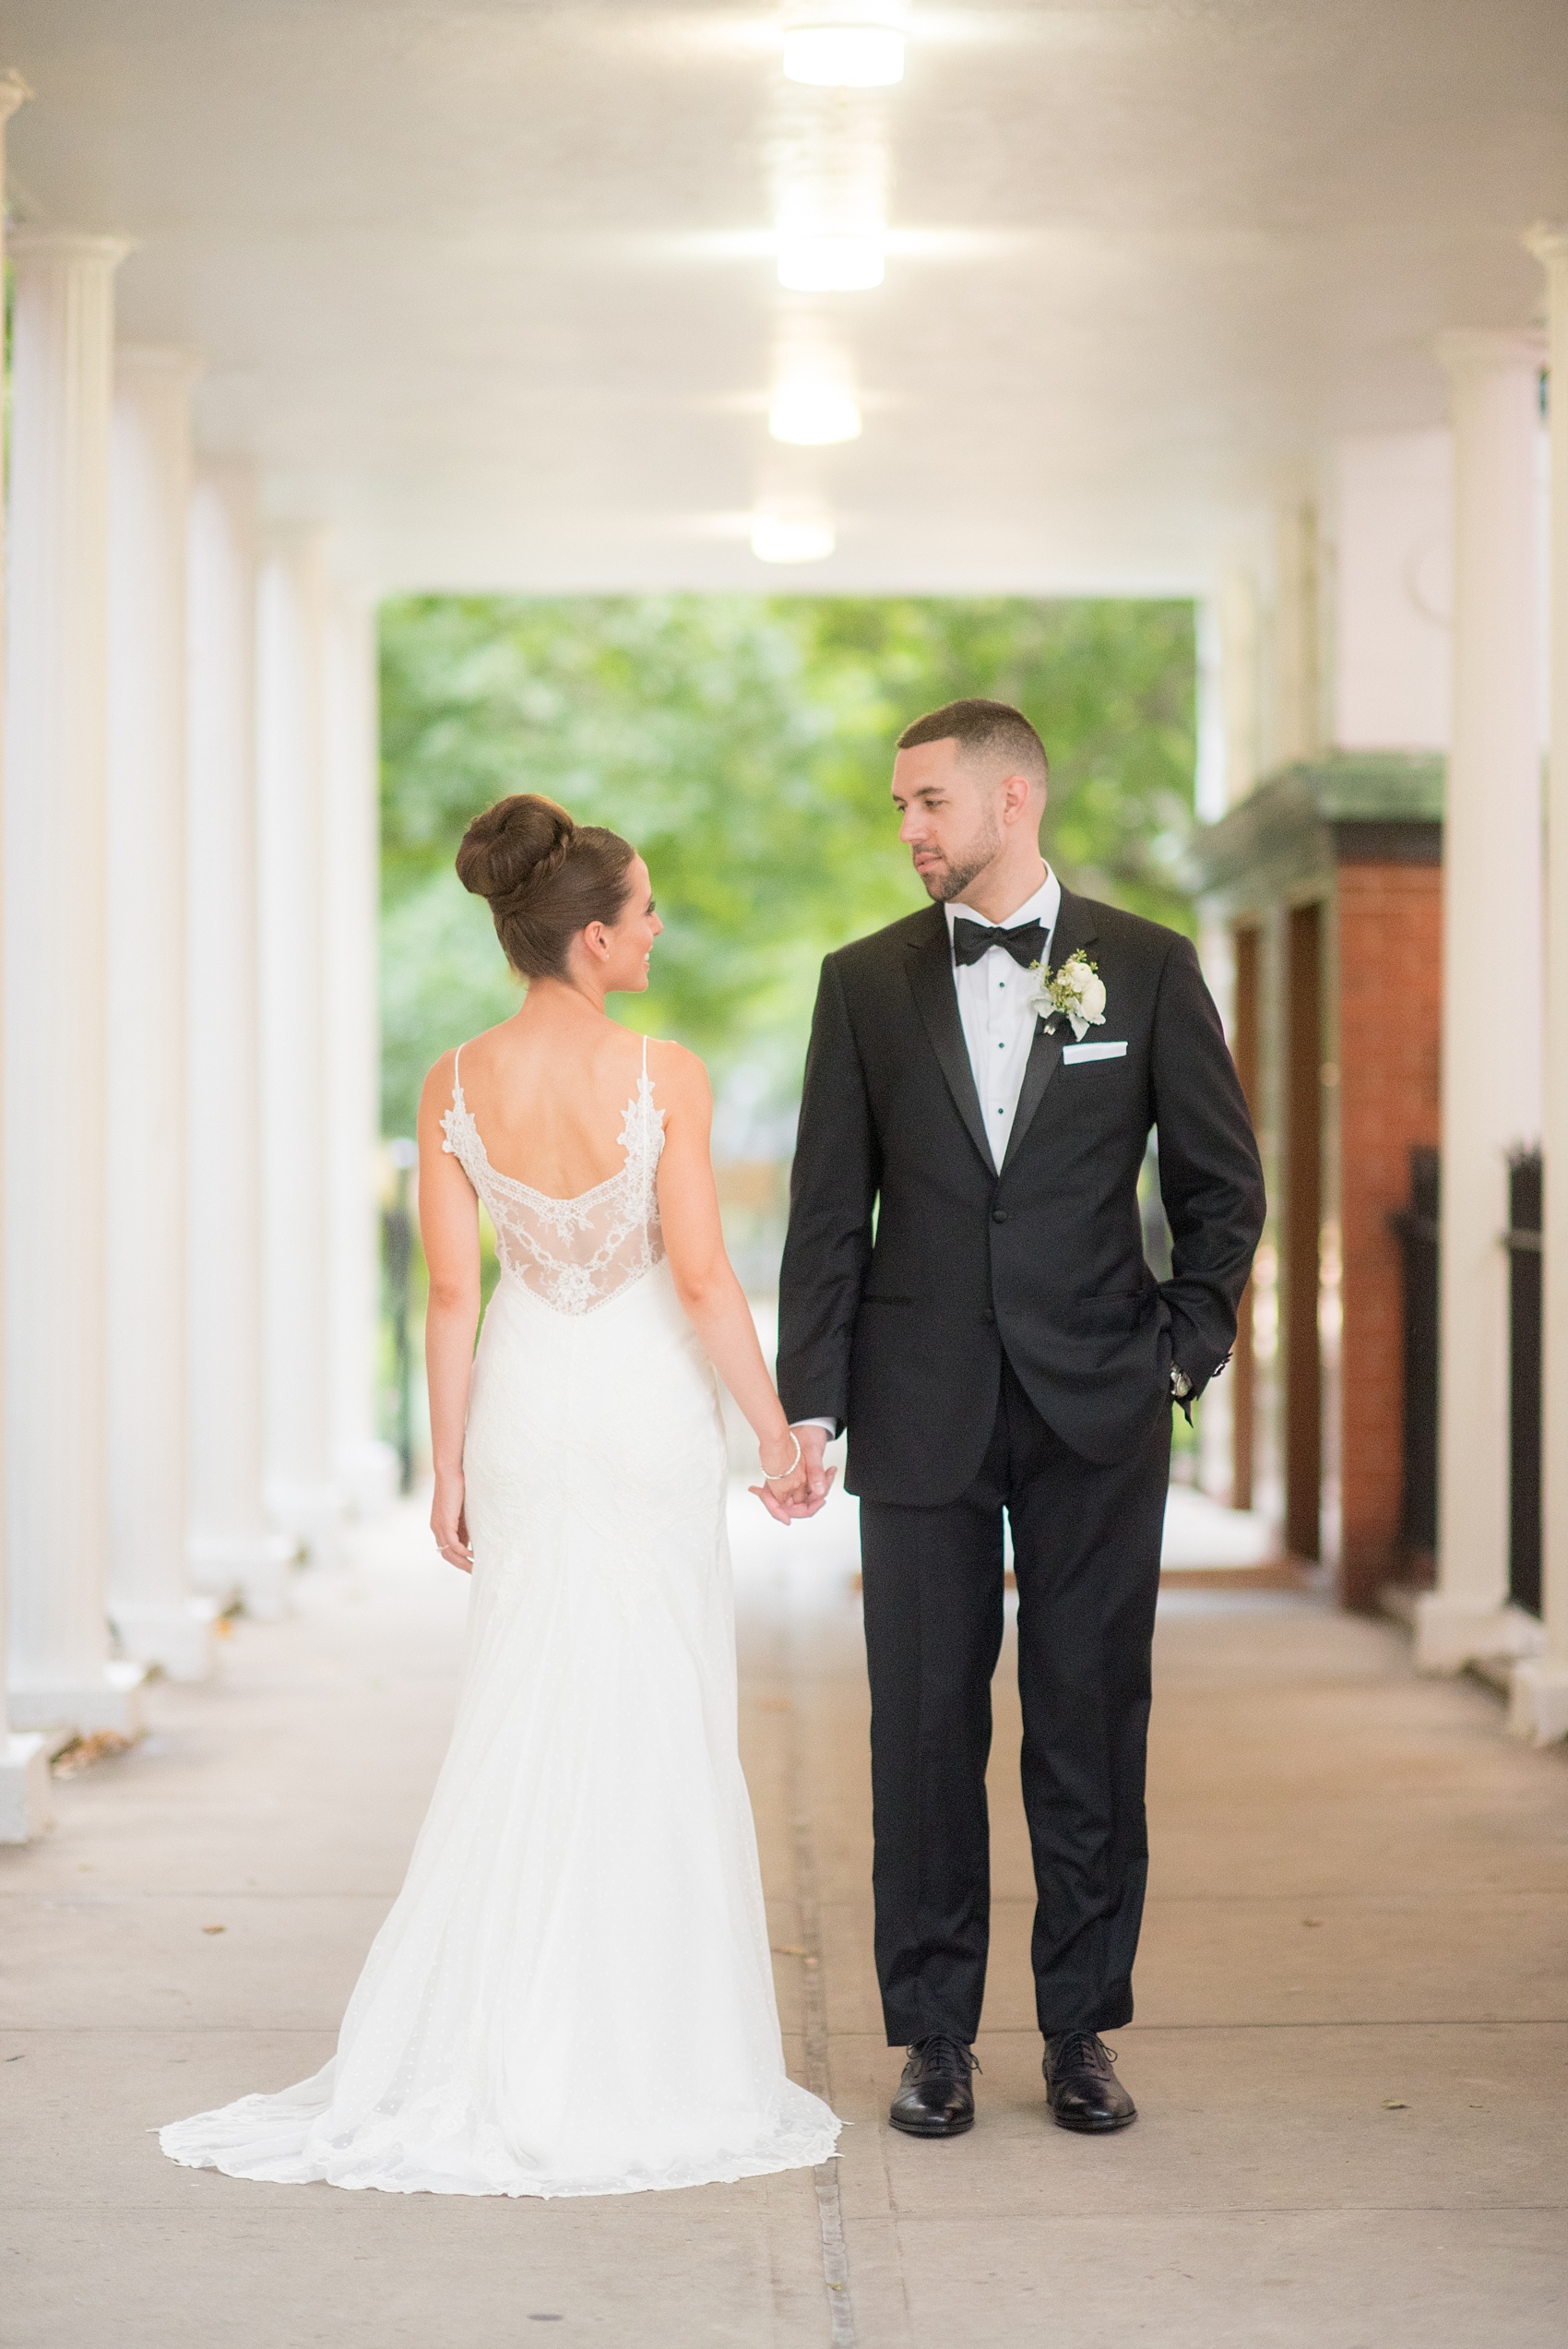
point(1080, 2051)
point(939, 2053)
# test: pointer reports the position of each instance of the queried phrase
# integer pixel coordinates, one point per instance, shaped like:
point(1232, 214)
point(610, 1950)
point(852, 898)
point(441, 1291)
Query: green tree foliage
point(744, 744)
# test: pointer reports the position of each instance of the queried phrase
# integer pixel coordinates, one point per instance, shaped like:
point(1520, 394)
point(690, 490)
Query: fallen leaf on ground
point(1394, 2105)
point(215, 1928)
point(82, 1752)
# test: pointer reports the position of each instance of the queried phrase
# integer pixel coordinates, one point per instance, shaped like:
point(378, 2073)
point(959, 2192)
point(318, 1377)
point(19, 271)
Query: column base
point(174, 1634)
point(313, 1514)
point(1537, 1700)
point(25, 1810)
point(255, 1569)
point(112, 1701)
point(1452, 1633)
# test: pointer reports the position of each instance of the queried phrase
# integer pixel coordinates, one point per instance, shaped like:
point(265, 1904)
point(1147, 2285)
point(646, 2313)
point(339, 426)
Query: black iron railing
point(1523, 1240)
point(1416, 1228)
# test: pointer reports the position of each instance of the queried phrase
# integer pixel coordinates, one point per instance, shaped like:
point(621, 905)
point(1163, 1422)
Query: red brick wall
point(1390, 960)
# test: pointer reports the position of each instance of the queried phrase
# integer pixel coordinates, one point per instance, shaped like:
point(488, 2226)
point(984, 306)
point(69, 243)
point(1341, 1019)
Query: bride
point(573, 1993)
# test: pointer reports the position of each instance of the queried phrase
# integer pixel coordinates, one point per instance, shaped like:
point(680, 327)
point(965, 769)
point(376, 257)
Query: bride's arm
point(449, 1230)
point(705, 1279)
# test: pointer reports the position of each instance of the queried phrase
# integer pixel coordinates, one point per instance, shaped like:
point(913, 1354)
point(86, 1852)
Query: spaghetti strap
point(574, 1253)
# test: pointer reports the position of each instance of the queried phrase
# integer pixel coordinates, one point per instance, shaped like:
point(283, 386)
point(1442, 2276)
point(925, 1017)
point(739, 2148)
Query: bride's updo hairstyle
point(544, 877)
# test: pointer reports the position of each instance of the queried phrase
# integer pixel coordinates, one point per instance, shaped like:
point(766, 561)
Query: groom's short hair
point(991, 730)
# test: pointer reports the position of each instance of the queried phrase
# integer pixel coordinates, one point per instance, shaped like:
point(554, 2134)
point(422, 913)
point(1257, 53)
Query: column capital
point(1476, 351)
point(69, 244)
point(1547, 240)
point(14, 92)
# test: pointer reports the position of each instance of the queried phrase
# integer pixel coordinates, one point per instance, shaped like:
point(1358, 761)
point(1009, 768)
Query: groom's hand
point(813, 1442)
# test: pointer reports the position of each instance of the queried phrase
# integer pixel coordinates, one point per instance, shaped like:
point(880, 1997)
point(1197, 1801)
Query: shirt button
point(999, 1215)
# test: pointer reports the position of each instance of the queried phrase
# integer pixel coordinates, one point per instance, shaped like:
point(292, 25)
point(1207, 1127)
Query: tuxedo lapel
point(1074, 928)
point(930, 963)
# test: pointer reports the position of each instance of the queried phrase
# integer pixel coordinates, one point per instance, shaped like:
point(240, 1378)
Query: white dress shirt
point(999, 1019)
point(999, 1016)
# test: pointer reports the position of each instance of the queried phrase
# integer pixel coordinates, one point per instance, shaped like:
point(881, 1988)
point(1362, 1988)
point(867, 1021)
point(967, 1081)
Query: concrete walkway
point(1351, 2051)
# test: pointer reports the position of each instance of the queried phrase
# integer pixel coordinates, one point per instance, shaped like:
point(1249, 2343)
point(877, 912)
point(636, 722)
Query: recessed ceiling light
point(792, 534)
point(830, 264)
point(844, 56)
point(813, 414)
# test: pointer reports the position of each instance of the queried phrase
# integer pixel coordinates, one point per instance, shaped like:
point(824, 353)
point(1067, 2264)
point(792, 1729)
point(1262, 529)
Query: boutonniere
point(1076, 992)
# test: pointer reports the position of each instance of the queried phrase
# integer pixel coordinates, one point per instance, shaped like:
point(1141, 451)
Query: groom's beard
point(950, 878)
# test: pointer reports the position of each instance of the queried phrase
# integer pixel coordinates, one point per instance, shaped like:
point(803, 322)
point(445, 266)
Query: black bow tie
point(972, 939)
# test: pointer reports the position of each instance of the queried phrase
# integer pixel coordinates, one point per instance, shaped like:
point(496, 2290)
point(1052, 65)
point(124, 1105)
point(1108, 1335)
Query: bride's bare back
point(550, 1100)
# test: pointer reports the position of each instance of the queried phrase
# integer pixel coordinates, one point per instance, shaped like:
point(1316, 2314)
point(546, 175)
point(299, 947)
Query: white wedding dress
point(573, 1992)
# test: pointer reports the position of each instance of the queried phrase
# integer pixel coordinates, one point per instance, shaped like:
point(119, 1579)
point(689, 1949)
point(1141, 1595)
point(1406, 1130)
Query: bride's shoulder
point(476, 1052)
point(440, 1079)
point(676, 1073)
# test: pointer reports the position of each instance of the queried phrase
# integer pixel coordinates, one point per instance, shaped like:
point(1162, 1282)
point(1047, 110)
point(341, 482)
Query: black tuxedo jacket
point(912, 1265)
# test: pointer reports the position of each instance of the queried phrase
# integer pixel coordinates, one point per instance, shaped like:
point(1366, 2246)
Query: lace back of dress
point(578, 1253)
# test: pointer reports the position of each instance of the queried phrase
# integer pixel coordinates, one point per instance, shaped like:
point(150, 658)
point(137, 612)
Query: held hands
point(795, 1483)
point(449, 1523)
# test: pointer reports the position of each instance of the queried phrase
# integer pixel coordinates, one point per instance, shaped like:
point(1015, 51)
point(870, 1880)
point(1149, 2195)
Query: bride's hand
point(783, 1491)
point(449, 1523)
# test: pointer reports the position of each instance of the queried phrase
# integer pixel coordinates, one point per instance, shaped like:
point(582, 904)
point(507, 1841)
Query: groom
point(964, 1288)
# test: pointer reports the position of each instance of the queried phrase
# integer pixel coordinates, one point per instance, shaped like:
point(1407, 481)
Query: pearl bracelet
point(784, 1474)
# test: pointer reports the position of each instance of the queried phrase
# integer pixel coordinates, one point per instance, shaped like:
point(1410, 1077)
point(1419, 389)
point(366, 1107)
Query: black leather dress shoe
point(935, 2098)
point(1080, 2087)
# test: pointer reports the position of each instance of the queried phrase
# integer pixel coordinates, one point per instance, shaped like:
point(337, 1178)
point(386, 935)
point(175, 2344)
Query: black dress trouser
point(1086, 1552)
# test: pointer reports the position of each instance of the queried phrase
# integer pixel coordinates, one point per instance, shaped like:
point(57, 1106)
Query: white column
point(1539, 1705)
point(1239, 624)
point(1491, 978)
point(232, 1547)
point(151, 1605)
point(56, 995)
point(1293, 712)
point(301, 1490)
point(24, 1761)
point(366, 1469)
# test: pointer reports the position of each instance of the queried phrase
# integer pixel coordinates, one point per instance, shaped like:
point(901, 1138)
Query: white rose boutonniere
point(1076, 992)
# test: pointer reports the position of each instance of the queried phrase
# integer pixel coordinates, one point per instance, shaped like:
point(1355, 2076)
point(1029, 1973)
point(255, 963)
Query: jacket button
point(999, 1215)
point(988, 1314)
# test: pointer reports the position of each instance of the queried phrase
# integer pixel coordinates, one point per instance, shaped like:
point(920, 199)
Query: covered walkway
point(1350, 2050)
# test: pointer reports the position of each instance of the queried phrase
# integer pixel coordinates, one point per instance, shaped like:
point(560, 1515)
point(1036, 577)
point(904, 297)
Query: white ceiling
point(492, 287)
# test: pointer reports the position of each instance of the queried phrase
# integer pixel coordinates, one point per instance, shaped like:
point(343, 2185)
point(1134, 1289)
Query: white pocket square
point(1070, 1052)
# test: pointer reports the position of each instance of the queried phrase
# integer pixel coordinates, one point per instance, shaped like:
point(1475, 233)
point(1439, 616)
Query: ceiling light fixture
point(812, 413)
point(844, 56)
point(792, 532)
point(830, 264)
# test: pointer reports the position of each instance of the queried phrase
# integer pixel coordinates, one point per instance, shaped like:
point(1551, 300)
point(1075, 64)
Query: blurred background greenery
point(745, 744)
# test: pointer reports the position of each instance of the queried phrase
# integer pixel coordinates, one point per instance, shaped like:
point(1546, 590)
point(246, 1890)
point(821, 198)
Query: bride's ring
point(785, 1473)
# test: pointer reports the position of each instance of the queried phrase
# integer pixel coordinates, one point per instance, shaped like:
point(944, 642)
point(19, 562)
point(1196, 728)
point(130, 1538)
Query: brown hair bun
point(545, 878)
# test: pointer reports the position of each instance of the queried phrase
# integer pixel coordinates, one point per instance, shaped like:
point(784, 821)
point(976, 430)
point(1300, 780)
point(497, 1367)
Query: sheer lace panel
point(576, 1253)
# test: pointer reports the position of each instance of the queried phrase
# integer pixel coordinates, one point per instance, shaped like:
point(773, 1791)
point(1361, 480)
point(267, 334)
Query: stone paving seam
point(813, 2013)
